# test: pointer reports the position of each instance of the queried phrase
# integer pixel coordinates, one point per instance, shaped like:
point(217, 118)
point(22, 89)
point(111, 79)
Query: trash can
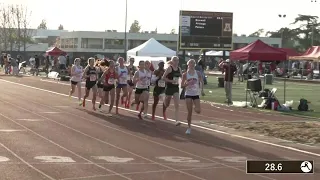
point(220, 82)
point(268, 79)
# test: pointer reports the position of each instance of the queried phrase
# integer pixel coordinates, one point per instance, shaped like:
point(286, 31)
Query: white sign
point(55, 159)
point(113, 159)
point(233, 159)
point(4, 159)
point(53, 75)
point(178, 159)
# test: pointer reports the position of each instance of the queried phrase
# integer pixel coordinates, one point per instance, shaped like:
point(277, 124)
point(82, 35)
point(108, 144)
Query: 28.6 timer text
point(273, 167)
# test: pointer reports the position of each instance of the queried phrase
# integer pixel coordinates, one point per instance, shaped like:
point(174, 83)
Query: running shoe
point(153, 117)
point(145, 115)
point(188, 131)
point(140, 116)
point(178, 123)
point(80, 103)
point(108, 114)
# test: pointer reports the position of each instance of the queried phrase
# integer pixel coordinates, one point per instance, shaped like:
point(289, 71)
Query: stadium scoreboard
point(205, 30)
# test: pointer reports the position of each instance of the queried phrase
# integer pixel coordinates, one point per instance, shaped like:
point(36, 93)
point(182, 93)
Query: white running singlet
point(143, 80)
point(149, 76)
point(193, 89)
point(124, 77)
point(77, 78)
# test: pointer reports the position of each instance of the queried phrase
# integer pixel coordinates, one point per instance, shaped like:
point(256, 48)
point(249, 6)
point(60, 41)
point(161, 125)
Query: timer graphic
point(278, 167)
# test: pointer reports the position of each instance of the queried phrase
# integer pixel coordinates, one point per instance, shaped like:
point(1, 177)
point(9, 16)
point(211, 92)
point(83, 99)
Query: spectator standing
point(240, 71)
point(201, 67)
point(36, 64)
point(14, 64)
point(62, 61)
point(68, 63)
point(229, 70)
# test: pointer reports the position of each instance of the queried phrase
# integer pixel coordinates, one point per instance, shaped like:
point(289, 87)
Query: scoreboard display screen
point(205, 30)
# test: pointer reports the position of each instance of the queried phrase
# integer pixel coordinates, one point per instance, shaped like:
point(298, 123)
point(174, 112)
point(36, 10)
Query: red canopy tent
point(55, 52)
point(313, 53)
point(258, 51)
point(290, 52)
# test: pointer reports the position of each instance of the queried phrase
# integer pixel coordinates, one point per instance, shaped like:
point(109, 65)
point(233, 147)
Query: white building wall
point(169, 40)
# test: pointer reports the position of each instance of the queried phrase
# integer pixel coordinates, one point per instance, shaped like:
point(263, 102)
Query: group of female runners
point(107, 80)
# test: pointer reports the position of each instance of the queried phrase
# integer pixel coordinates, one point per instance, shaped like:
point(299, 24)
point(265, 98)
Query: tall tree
point(27, 31)
point(258, 33)
point(14, 23)
point(4, 20)
point(135, 27)
point(308, 31)
point(43, 24)
point(60, 27)
point(289, 36)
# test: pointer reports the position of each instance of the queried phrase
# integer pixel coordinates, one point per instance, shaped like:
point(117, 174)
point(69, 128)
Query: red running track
point(48, 136)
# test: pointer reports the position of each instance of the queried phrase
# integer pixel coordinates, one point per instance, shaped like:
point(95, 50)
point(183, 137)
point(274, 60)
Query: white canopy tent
point(217, 53)
point(154, 60)
point(151, 48)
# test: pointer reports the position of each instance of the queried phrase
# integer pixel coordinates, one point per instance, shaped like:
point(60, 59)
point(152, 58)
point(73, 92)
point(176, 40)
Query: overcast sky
point(100, 15)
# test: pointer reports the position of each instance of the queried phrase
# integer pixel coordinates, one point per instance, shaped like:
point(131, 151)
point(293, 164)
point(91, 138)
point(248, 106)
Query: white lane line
point(32, 120)
point(197, 126)
point(146, 172)
point(110, 144)
point(62, 106)
point(25, 162)
point(58, 82)
point(61, 147)
point(140, 156)
point(11, 130)
point(50, 112)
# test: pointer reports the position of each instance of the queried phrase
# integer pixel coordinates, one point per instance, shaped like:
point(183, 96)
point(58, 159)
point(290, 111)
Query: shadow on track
point(168, 131)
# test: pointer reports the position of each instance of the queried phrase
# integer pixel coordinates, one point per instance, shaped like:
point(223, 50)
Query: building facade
point(111, 43)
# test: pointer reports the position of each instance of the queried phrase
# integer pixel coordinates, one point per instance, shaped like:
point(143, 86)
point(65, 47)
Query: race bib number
point(143, 82)
point(192, 87)
point(176, 80)
point(123, 80)
point(110, 81)
point(93, 77)
point(161, 83)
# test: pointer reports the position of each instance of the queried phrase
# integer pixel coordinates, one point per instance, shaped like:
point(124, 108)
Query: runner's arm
point(84, 75)
point(135, 77)
point(164, 77)
point(72, 71)
point(200, 80)
point(104, 74)
point(155, 76)
point(184, 82)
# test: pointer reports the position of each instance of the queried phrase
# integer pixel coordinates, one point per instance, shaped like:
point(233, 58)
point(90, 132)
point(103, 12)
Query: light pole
point(313, 23)
point(125, 32)
point(285, 78)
